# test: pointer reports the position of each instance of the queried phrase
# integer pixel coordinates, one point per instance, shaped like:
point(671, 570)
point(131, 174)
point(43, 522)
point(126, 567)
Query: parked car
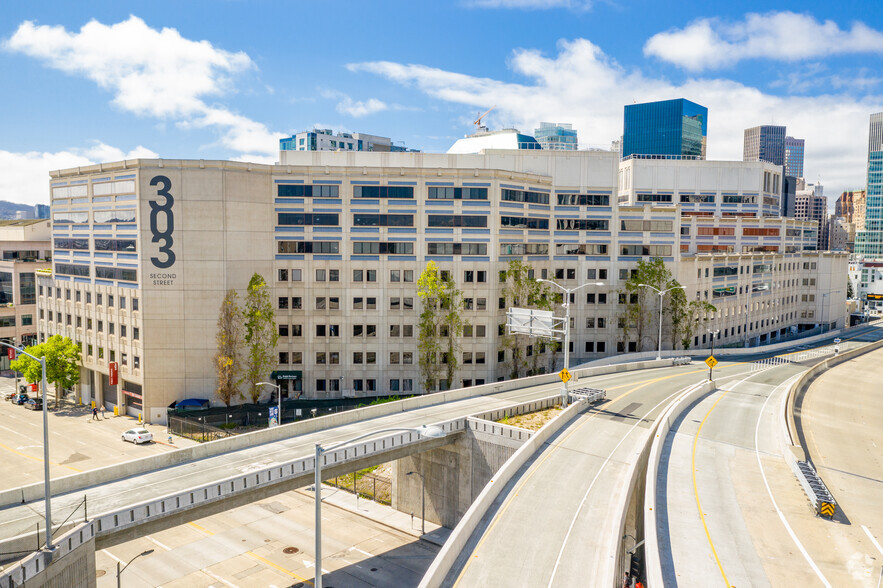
point(20, 398)
point(138, 436)
point(34, 404)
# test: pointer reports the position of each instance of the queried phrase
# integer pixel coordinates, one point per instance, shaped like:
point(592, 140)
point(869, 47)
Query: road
point(730, 510)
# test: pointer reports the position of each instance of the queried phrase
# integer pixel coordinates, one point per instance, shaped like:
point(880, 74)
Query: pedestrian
point(103, 410)
point(94, 413)
point(626, 581)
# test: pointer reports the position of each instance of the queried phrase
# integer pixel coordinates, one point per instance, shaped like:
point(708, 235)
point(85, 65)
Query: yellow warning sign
point(564, 375)
point(827, 509)
point(711, 361)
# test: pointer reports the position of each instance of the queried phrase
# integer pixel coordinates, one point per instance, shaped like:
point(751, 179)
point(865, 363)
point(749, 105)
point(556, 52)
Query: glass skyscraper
point(869, 242)
point(666, 129)
point(794, 157)
point(765, 143)
point(556, 136)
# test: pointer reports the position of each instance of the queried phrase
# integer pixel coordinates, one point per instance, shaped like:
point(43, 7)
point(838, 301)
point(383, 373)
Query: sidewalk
point(380, 513)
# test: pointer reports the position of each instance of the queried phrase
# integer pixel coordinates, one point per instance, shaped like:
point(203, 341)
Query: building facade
point(794, 149)
point(670, 129)
point(145, 250)
point(869, 240)
point(556, 136)
point(811, 204)
point(765, 143)
point(327, 140)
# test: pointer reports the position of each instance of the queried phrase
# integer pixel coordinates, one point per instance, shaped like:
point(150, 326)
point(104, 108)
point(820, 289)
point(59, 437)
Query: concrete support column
point(99, 389)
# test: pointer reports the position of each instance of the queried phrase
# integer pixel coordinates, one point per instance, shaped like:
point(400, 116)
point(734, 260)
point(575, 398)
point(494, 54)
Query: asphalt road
point(731, 512)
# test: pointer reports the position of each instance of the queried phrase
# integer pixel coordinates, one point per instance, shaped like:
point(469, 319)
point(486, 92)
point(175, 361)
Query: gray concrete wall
point(70, 565)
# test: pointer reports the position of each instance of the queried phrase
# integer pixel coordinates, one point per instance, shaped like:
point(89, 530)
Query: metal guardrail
point(797, 357)
point(681, 361)
point(589, 394)
point(819, 495)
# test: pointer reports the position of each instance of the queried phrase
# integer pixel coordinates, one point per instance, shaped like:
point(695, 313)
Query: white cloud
point(583, 86)
point(25, 177)
point(531, 4)
point(358, 108)
point(710, 43)
point(151, 72)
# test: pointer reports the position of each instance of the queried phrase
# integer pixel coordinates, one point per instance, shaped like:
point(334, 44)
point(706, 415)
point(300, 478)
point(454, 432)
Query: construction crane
point(477, 122)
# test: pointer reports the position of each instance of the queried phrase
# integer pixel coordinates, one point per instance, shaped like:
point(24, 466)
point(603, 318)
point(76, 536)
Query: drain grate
point(290, 550)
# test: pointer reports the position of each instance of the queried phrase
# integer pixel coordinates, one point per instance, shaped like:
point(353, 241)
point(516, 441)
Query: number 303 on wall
point(165, 236)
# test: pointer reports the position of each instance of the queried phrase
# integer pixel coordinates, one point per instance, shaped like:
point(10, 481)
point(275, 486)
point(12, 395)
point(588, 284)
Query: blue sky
point(100, 81)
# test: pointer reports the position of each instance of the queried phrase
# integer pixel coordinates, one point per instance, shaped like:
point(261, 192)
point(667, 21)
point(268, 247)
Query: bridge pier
point(455, 473)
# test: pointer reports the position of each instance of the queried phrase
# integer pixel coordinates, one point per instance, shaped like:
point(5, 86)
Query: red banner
point(10, 352)
point(133, 395)
point(114, 373)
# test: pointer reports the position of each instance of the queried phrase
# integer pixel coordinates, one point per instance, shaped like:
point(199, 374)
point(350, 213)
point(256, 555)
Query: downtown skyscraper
point(869, 242)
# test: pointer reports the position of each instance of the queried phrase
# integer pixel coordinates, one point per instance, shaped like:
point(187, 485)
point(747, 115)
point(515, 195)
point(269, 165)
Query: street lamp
point(422, 501)
point(661, 294)
point(431, 432)
point(119, 571)
point(278, 397)
point(713, 333)
point(47, 495)
point(567, 293)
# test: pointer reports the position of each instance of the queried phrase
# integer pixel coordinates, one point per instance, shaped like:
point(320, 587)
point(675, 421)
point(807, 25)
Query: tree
point(229, 340)
point(522, 290)
point(637, 312)
point(259, 321)
point(850, 293)
point(691, 315)
point(440, 325)
point(62, 363)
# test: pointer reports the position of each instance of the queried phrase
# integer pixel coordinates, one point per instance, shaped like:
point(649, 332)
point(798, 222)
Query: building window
point(283, 330)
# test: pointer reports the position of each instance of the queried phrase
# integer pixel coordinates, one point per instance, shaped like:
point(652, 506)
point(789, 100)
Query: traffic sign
point(564, 375)
point(827, 509)
point(711, 361)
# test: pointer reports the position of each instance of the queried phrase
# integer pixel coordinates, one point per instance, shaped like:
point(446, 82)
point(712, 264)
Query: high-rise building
point(556, 136)
point(327, 140)
point(851, 206)
point(869, 242)
point(670, 129)
point(794, 157)
point(810, 204)
point(765, 143)
point(41, 211)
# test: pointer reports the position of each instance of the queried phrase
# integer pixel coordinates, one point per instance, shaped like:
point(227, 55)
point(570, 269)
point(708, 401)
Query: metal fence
point(370, 486)
point(196, 429)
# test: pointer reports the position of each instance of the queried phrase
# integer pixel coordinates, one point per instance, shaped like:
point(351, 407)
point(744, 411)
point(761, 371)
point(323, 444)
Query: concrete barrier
point(652, 560)
point(107, 474)
point(37, 568)
point(444, 561)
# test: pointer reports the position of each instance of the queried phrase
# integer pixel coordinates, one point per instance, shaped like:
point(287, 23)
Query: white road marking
point(806, 556)
point(873, 539)
point(155, 542)
point(112, 556)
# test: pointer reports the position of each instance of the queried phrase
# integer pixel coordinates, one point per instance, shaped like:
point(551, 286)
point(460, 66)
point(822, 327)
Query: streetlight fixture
point(430, 432)
point(120, 571)
point(278, 397)
point(661, 294)
point(713, 333)
point(422, 501)
point(567, 292)
point(47, 495)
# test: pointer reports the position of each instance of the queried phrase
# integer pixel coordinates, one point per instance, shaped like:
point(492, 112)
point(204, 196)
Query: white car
point(138, 436)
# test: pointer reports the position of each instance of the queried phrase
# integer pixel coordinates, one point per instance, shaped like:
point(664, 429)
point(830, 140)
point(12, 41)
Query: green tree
point(440, 327)
point(687, 318)
point(259, 322)
point(638, 305)
point(62, 363)
point(229, 339)
point(850, 293)
point(522, 290)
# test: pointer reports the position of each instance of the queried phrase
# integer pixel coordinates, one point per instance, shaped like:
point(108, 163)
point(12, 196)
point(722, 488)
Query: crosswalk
point(796, 357)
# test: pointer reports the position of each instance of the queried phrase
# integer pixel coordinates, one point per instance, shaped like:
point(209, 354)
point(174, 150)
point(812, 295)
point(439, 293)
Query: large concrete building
point(144, 251)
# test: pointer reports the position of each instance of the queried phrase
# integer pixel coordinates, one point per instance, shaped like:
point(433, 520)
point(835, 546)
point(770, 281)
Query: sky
point(98, 81)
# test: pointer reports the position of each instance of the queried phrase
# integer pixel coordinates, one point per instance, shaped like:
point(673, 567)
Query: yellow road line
point(696, 490)
point(555, 448)
point(35, 458)
point(254, 555)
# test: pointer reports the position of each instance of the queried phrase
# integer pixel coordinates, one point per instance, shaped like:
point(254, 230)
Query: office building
point(670, 129)
point(327, 140)
point(26, 247)
point(794, 157)
point(41, 211)
point(765, 143)
point(145, 250)
point(811, 204)
point(556, 136)
point(484, 139)
point(789, 193)
point(869, 241)
point(838, 234)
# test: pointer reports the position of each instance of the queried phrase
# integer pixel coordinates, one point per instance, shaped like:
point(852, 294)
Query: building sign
point(162, 231)
point(287, 375)
point(114, 374)
point(10, 353)
point(875, 296)
point(133, 395)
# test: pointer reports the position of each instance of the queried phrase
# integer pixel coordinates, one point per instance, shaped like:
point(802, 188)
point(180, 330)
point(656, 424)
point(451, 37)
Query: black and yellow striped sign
point(827, 509)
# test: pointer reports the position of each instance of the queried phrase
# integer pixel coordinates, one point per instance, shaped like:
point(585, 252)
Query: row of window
point(98, 217)
point(70, 320)
point(99, 297)
point(127, 245)
point(101, 272)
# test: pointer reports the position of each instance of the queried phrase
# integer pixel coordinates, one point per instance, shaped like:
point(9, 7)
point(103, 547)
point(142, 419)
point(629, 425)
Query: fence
point(196, 429)
point(371, 486)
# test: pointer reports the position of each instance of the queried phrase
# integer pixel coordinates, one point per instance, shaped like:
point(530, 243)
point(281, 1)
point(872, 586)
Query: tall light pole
point(47, 495)
point(278, 397)
point(661, 294)
point(431, 432)
point(567, 293)
point(713, 333)
point(422, 501)
point(120, 571)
